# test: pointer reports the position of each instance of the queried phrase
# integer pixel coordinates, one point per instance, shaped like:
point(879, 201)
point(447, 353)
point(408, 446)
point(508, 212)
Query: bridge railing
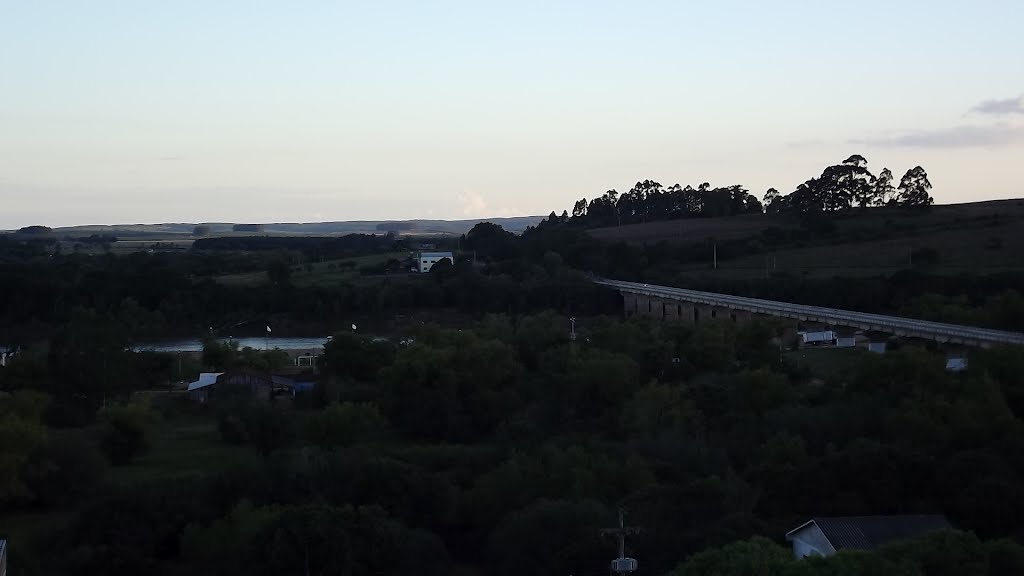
point(866, 320)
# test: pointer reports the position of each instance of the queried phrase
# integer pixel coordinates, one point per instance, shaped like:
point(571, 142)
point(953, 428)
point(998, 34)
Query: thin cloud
point(473, 205)
point(1003, 107)
point(994, 136)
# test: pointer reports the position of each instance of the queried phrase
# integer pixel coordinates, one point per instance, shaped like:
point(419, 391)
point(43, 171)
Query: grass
point(985, 237)
point(331, 272)
point(182, 445)
point(694, 229)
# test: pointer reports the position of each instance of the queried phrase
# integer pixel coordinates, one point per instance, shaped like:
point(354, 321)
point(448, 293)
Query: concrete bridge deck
point(651, 299)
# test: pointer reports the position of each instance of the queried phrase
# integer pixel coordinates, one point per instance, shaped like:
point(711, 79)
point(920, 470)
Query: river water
point(194, 345)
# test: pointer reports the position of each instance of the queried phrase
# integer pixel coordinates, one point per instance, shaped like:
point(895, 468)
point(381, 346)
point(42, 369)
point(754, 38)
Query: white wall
point(427, 263)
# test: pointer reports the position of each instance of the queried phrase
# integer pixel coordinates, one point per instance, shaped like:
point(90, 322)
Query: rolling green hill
point(977, 237)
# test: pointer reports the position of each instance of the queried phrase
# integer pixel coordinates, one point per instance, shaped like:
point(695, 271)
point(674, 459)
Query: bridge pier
point(630, 303)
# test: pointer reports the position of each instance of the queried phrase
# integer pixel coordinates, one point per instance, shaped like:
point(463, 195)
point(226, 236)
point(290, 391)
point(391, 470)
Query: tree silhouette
point(884, 192)
point(914, 187)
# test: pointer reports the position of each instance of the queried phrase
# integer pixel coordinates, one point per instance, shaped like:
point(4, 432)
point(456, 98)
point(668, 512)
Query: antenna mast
point(622, 564)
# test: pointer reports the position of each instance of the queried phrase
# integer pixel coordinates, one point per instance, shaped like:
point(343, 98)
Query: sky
point(270, 111)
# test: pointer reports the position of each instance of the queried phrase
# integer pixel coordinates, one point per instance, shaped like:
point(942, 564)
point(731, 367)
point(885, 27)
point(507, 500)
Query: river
point(194, 345)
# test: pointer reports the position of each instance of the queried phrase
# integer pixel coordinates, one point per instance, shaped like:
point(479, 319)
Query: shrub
point(344, 424)
point(125, 432)
point(67, 466)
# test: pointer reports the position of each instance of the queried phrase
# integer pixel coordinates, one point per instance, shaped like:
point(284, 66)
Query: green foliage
point(758, 556)
point(67, 467)
point(280, 273)
point(219, 355)
point(265, 426)
point(505, 440)
point(314, 540)
point(352, 357)
point(456, 388)
point(20, 435)
point(659, 408)
point(553, 537)
point(135, 529)
point(343, 424)
point(124, 432)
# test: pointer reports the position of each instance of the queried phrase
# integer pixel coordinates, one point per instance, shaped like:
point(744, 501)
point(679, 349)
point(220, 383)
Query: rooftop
point(870, 532)
point(205, 379)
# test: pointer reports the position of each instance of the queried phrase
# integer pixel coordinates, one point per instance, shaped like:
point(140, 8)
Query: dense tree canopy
point(495, 442)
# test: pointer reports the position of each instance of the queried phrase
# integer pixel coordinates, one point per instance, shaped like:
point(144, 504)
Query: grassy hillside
point(694, 229)
point(977, 237)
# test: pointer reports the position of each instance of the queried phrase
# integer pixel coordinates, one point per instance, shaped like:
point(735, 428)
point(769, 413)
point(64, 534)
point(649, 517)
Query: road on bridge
point(910, 327)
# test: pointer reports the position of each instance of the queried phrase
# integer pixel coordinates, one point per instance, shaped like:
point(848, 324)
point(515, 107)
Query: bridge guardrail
point(869, 320)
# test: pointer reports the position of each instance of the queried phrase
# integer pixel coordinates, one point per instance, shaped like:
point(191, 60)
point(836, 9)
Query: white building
point(817, 337)
point(428, 259)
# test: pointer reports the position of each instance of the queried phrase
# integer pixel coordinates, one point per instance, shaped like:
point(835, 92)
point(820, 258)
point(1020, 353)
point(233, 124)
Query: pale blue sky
point(224, 110)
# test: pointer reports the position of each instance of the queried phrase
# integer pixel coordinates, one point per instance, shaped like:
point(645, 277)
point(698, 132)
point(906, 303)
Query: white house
point(428, 259)
point(826, 536)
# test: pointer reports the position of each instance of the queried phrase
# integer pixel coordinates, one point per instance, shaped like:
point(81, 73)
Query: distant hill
point(977, 236)
point(408, 227)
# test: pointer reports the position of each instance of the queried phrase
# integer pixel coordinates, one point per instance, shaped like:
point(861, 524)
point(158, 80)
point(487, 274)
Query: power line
point(622, 564)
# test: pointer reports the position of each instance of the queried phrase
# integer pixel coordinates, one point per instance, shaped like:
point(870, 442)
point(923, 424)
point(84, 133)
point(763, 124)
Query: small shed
point(956, 364)
point(846, 341)
point(817, 337)
point(826, 536)
point(200, 389)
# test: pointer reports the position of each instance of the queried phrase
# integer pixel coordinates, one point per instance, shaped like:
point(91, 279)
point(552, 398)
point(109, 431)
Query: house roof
point(869, 532)
point(435, 255)
point(205, 379)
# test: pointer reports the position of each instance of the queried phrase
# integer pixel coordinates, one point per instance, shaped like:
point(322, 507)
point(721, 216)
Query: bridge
point(694, 306)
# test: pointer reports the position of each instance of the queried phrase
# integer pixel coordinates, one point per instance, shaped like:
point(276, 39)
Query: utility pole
point(622, 564)
point(572, 329)
point(716, 254)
